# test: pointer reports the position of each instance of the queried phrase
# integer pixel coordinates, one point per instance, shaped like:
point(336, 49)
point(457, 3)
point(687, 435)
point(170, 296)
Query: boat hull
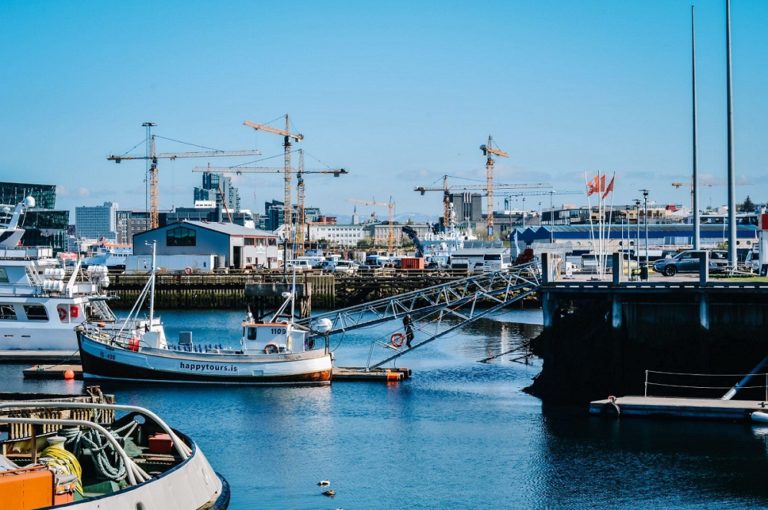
point(103, 361)
point(192, 484)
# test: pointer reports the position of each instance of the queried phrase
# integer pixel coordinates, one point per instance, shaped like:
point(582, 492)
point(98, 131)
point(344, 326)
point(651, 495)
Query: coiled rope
point(63, 462)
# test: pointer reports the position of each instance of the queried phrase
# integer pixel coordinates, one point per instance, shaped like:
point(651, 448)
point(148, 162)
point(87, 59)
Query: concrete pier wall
point(599, 339)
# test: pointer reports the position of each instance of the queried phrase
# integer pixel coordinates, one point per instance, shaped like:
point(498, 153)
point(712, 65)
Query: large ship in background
point(43, 299)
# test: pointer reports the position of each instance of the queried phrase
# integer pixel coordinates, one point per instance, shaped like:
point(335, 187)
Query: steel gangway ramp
point(430, 306)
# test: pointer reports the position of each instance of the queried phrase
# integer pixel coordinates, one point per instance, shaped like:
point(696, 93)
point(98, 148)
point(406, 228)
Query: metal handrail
point(130, 467)
point(183, 450)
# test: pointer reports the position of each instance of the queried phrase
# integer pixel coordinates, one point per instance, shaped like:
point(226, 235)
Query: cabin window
point(181, 236)
point(36, 312)
point(3, 275)
point(251, 333)
point(7, 313)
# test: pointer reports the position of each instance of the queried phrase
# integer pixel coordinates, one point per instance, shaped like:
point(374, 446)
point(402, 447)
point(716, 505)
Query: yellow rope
point(65, 462)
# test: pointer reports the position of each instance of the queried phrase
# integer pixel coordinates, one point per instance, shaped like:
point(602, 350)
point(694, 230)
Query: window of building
point(35, 312)
point(248, 241)
point(181, 236)
point(3, 275)
point(7, 313)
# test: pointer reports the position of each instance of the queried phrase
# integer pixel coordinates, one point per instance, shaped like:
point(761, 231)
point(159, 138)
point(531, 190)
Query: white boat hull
point(191, 485)
point(101, 360)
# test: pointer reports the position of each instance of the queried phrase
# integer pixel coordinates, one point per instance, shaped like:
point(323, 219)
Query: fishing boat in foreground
point(72, 452)
point(277, 351)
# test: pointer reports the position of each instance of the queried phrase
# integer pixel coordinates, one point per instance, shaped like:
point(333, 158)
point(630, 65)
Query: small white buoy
point(324, 483)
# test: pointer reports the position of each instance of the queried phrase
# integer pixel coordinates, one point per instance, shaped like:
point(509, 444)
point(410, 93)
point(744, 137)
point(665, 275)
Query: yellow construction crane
point(300, 219)
point(489, 150)
point(153, 156)
point(287, 137)
point(390, 219)
point(446, 189)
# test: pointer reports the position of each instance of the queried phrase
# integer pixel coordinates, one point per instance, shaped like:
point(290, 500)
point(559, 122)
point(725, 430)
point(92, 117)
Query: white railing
point(686, 379)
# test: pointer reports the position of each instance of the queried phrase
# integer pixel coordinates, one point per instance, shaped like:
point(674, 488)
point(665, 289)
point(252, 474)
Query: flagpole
point(610, 215)
point(589, 210)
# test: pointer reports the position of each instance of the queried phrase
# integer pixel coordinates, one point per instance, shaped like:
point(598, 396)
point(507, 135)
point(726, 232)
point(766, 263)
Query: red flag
point(593, 186)
point(609, 188)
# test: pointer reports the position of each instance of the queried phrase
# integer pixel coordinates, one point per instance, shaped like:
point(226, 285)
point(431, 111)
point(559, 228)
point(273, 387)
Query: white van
point(299, 265)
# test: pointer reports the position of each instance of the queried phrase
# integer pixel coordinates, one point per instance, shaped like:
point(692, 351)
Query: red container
point(412, 263)
point(160, 443)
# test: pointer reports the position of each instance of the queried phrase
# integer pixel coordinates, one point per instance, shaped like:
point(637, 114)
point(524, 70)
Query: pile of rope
point(63, 462)
point(105, 459)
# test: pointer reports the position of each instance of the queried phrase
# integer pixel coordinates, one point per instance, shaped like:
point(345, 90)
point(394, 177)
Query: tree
point(746, 206)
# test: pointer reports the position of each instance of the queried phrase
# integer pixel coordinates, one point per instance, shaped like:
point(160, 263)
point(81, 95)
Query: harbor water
point(459, 434)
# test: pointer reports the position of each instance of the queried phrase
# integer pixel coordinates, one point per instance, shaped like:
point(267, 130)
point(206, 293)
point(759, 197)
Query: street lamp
point(645, 220)
point(637, 241)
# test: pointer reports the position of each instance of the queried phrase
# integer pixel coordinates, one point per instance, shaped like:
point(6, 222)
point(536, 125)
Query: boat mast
point(152, 288)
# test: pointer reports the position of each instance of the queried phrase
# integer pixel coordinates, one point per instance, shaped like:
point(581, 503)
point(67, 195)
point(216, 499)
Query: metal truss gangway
point(438, 309)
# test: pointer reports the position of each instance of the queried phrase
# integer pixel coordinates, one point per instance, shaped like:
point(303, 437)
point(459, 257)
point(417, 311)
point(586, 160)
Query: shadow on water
point(630, 462)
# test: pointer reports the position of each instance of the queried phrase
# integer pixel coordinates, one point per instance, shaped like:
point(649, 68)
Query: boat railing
point(134, 473)
point(183, 450)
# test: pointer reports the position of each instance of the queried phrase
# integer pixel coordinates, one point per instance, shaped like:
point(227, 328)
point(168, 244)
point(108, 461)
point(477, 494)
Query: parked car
point(299, 265)
point(345, 267)
point(688, 262)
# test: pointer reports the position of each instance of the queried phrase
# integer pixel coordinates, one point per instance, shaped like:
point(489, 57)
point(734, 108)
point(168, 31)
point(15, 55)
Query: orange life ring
point(271, 349)
point(62, 314)
point(397, 339)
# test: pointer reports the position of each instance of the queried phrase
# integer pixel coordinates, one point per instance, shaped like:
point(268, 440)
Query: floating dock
point(12, 357)
point(53, 371)
point(690, 408)
point(387, 375)
point(373, 374)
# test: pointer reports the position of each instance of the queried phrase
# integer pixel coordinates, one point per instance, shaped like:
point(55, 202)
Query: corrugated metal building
point(234, 246)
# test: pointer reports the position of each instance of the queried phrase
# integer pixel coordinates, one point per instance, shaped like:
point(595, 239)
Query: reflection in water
point(460, 434)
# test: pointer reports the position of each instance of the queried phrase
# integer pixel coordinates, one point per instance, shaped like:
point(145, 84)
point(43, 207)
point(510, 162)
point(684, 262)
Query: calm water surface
point(460, 434)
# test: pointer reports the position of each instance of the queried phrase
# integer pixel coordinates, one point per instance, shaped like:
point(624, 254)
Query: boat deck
point(667, 407)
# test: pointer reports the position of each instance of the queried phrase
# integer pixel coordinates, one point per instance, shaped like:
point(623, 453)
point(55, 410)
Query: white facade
point(97, 221)
point(341, 234)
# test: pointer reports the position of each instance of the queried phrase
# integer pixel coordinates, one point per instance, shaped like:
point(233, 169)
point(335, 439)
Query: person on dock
point(408, 325)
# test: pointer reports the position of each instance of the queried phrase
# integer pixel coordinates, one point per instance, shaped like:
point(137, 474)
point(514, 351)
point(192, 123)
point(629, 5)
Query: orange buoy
point(69, 375)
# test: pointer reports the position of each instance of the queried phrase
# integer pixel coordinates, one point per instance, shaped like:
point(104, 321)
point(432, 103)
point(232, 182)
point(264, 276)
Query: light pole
point(645, 220)
point(637, 241)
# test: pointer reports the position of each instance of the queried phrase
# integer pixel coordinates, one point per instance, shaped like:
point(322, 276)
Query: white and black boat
point(276, 351)
point(74, 453)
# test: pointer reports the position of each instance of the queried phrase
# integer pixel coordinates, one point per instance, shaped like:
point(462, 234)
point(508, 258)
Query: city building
point(130, 223)
point(95, 222)
point(11, 193)
point(342, 235)
point(225, 245)
point(468, 207)
point(216, 185)
point(44, 225)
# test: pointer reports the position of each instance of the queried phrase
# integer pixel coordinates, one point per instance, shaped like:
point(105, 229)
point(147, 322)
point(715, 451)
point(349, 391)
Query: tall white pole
point(731, 173)
point(695, 182)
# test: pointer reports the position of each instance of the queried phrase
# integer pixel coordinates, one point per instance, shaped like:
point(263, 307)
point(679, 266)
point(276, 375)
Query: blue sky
point(399, 93)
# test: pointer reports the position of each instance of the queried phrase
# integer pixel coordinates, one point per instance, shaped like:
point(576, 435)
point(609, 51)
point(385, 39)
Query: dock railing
point(699, 383)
